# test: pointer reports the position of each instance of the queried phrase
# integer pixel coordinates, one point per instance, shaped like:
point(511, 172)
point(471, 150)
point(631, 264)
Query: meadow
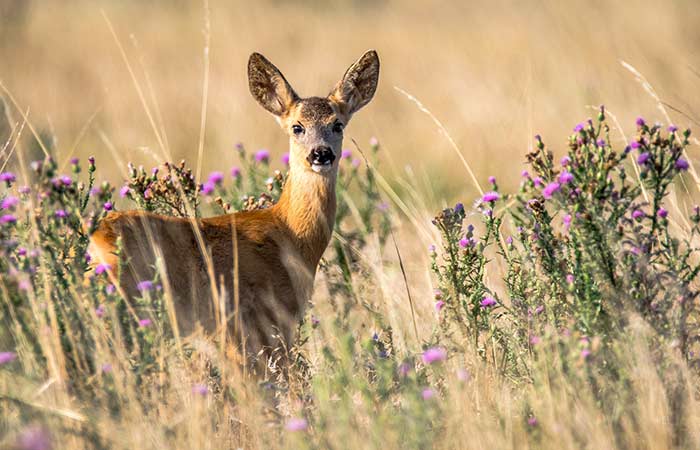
point(514, 265)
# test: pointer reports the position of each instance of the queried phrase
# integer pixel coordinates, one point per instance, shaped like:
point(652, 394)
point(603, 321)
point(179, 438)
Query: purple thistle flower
point(9, 202)
point(124, 191)
point(601, 143)
point(638, 214)
point(492, 179)
point(432, 249)
point(7, 177)
point(314, 321)
point(235, 172)
point(296, 424)
point(143, 323)
point(427, 394)
point(21, 251)
point(662, 213)
point(570, 278)
point(7, 357)
point(34, 438)
point(8, 218)
point(578, 128)
point(509, 240)
point(463, 375)
point(643, 158)
point(74, 161)
point(345, 154)
point(148, 193)
point(404, 369)
point(100, 311)
point(200, 389)
point(566, 177)
point(108, 206)
point(640, 122)
point(487, 302)
point(459, 207)
point(534, 340)
point(106, 368)
point(538, 181)
point(672, 128)
point(24, 285)
point(66, 180)
point(490, 197)
point(566, 219)
point(439, 305)
point(262, 156)
point(102, 268)
point(550, 189)
point(373, 142)
point(532, 421)
point(565, 161)
point(24, 190)
point(355, 163)
point(682, 164)
point(585, 353)
point(635, 144)
point(145, 286)
point(216, 177)
point(434, 355)
point(539, 309)
point(208, 188)
point(285, 159)
point(61, 213)
point(525, 174)
point(91, 160)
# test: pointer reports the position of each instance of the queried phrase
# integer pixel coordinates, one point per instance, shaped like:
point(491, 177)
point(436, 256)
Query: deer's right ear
point(268, 85)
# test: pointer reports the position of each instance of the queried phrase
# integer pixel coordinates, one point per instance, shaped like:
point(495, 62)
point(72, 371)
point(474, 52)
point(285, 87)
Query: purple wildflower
point(74, 161)
point(296, 424)
point(509, 240)
point(427, 394)
point(566, 177)
point(578, 128)
point(262, 156)
point(635, 144)
point(102, 268)
point(143, 323)
point(565, 161)
point(404, 369)
point(585, 353)
point(285, 159)
point(601, 143)
point(9, 202)
point(672, 128)
point(432, 249)
point(490, 197)
point(373, 142)
point(640, 122)
point(682, 164)
point(570, 278)
point(208, 188)
point(7, 357)
point(100, 311)
point(434, 354)
point(439, 305)
point(66, 180)
point(538, 181)
point(459, 207)
point(8, 218)
point(235, 172)
point(464, 242)
point(314, 321)
point(550, 189)
point(463, 375)
point(488, 302)
point(124, 191)
point(106, 368)
point(492, 179)
point(534, 340)
point(34, 438)
point(216, 177)
point(643, 158)
point(61, 213)
point(24, 190)
point(110, 289)
point(7, 177)
point(539, 309)
point(200, 389)
point(566, 219)
point(662, 213)
point(108, 206)
point(637, 214)
point(525, 174)
point(145, 286)
point(345, 154)
point(532, 421)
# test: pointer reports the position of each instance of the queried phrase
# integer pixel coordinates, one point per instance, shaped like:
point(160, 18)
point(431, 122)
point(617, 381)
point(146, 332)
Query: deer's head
point(315, 125)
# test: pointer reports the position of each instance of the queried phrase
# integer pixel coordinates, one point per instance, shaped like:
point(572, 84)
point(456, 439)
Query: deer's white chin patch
point(321, 168)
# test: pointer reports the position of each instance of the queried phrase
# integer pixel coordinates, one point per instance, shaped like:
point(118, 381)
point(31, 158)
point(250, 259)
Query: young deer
point(262, 263)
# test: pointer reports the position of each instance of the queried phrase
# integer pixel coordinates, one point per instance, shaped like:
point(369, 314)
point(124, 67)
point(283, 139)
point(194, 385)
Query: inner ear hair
point(268, 86)
point(358, 85)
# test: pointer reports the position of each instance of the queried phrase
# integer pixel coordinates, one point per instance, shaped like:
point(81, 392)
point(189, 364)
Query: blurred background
point(493, 74)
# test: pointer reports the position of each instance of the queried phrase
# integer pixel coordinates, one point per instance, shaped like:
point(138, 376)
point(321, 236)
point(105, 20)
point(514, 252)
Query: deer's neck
point(307, 207)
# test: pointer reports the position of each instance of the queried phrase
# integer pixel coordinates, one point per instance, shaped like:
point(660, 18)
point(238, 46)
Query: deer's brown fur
point(277, 249)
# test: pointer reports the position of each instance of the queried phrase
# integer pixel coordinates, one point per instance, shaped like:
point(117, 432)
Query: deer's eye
point(297, 130)
point(337, 127)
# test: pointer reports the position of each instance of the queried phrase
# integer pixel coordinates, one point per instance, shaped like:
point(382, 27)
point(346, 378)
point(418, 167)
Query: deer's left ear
point(358, 85)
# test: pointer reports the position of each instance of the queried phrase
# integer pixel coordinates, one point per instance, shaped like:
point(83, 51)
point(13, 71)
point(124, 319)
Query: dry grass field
point(464, 86)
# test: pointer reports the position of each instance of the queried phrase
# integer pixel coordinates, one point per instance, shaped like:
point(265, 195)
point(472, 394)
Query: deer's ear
point(268, 85)
point(359, 83)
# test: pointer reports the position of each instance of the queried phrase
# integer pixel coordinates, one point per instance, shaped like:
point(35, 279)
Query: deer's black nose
point(321, 156)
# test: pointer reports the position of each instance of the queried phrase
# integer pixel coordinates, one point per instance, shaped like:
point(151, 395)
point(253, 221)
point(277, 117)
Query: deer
point(261, 262)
